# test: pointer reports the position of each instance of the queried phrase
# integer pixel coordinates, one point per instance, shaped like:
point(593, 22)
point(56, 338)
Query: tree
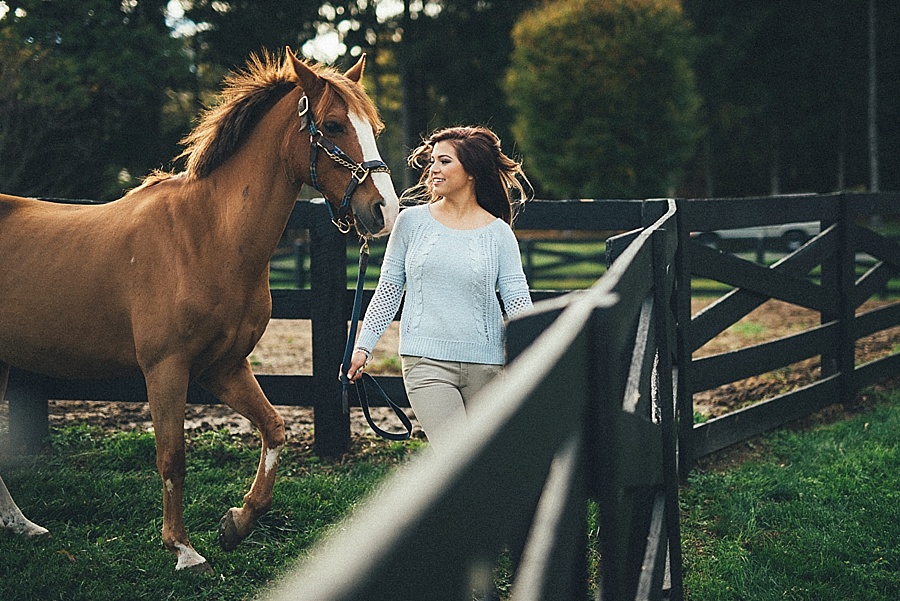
point(785, 90)
point(452, 62)
point(604, 95)
point(228, 31)
point(84, 90)
point(431, 63)
point(450, 57)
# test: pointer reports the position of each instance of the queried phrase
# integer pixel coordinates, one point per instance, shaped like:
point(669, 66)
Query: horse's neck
point(252, 197)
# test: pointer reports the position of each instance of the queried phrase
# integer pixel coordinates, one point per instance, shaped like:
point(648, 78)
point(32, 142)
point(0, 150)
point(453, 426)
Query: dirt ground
point(285, 349)
point(773, 320)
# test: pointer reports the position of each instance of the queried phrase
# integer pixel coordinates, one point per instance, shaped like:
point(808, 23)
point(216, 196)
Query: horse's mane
point(247, 95)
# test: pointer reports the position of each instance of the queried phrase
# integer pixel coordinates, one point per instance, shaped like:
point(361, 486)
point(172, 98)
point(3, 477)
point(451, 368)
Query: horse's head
point(344, 163)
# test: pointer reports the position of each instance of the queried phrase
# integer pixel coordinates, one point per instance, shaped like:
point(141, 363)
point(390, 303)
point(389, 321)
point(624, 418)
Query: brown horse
point(171, 280)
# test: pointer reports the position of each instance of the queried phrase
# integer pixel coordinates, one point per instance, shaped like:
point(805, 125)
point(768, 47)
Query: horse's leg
point(237, 387)
point(11, 517)
point(167, 394)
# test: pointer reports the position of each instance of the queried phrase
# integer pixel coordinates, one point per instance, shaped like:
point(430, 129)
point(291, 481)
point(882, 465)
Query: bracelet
point(366, 351)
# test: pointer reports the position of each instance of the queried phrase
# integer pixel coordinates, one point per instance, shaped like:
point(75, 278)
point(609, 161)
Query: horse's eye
point(333, 128)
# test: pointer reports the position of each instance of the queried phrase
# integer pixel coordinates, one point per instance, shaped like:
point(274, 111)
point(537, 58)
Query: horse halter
point(343, 218)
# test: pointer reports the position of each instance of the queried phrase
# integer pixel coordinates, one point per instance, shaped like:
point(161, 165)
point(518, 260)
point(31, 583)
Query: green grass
point(564, 265)
point(749, 329)
point(809, 514)
point(816, 515)
point(101, 498)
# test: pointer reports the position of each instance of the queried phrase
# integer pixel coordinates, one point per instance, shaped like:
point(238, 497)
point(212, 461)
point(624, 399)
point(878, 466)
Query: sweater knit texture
point(451, 278)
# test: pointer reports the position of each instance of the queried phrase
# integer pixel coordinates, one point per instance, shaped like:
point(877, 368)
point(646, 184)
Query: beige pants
point(439, 393)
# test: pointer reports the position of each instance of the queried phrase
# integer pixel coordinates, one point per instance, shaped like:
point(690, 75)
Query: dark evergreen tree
point(785, 94)
point(85, 87)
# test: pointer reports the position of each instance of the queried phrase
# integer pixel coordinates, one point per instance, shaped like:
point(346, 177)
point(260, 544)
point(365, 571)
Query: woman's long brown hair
point(478, 150)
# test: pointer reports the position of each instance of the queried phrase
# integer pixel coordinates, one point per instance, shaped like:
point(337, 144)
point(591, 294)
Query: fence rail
point(589, 374)
point(846, 238)
point(600, 389)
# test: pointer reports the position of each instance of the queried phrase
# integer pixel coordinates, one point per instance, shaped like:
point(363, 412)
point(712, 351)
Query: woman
point(451, 255)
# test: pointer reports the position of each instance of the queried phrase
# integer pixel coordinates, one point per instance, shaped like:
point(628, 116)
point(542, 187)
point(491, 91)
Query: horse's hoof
point(37, 533)
point(202, 569)
point(189, 560)
point(29, 529)
point(228, 532)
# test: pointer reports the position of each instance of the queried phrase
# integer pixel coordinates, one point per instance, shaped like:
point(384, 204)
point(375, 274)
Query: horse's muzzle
point(372, 221)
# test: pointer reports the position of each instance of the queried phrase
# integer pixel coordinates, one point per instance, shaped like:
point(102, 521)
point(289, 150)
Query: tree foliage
point(228, 31)
point(84, 90)
point(605, 97)
point(785, 88)
point(598, 96)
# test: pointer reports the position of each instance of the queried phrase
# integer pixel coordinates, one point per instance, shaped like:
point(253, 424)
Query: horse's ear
point(355, 72)
point(303, 75)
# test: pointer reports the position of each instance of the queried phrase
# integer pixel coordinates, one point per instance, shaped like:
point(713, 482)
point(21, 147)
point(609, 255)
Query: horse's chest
point(224, 330)
point(242, 331)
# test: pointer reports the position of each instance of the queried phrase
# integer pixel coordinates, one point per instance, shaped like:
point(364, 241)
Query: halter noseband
point(344, 218)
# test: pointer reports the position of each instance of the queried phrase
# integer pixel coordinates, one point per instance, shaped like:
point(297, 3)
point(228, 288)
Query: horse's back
point(88, 289)
point(10, 204)
point(62, 290)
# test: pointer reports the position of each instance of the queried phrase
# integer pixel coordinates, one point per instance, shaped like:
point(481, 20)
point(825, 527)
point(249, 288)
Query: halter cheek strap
point(343, 218)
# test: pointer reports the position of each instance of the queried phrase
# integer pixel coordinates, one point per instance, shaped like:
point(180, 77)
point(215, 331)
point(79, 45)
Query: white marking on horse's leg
point(187, 557)
point(12, 518)
point(272, 458)
point(170, 486)
point(382, 181)
point(23, 526)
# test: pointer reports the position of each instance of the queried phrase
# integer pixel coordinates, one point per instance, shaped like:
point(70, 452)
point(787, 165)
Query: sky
point(326, 47)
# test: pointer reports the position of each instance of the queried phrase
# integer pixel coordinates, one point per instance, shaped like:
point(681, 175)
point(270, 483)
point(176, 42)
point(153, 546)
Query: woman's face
point(448, 178)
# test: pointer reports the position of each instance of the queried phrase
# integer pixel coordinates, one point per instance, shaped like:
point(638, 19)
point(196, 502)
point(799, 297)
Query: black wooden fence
point(846, 242)
point(28, 392)
point(601, 399)
point(584, 412)
point(591, 393)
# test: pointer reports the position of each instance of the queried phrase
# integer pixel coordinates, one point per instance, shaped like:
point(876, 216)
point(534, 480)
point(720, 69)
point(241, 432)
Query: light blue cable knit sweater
point(451, 278)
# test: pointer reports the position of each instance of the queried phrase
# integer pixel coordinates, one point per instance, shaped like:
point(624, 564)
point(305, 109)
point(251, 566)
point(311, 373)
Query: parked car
point(786, 237)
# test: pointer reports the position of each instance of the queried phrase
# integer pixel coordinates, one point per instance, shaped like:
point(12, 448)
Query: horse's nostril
point(378, 212)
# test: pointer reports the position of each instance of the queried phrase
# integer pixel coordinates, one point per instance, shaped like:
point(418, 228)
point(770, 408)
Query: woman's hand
point(357, 363)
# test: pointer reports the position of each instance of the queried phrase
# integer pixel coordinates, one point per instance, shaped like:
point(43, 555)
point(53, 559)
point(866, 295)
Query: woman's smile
point(448, 177)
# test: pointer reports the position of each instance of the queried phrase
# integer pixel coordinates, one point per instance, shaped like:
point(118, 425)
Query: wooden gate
point(833, 274)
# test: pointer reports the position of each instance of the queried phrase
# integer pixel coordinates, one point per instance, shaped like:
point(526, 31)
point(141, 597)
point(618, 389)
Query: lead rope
point(366, 379)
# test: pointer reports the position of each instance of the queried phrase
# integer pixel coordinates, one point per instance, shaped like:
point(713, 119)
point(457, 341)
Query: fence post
point(684, 400)
point(838, 276)
point(29, 421)
point(301, 248)
point(328, 285)
point(663, 289)
point(846, 280)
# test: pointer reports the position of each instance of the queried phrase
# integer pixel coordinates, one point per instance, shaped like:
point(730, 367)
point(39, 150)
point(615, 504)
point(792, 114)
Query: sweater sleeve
point(511, 281)
point(389, 292)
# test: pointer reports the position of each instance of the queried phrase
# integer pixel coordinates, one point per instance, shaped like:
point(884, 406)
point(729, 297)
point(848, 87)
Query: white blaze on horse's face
point(382, 181)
